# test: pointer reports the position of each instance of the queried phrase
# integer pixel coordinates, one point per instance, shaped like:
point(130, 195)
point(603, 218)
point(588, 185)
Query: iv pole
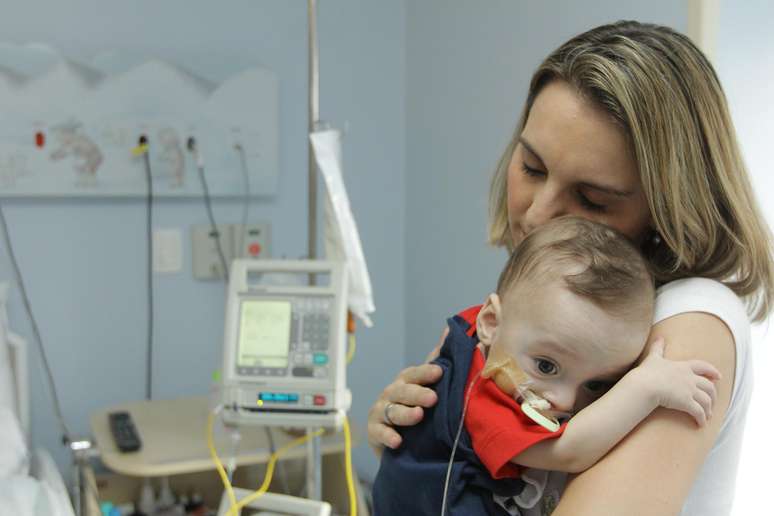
point(314, 119)
point(313, 453)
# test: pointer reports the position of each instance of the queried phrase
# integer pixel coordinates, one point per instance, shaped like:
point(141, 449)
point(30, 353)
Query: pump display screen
point(264, 333)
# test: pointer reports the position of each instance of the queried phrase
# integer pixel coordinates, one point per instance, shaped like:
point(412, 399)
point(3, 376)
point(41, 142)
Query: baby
point(543, 375)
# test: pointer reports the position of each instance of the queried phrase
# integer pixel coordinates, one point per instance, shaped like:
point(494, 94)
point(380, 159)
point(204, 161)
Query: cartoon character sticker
point(12, 167)
point(171, 154)
point(86, 153)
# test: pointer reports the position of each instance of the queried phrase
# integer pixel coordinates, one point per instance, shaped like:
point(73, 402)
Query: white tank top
point(713, 490)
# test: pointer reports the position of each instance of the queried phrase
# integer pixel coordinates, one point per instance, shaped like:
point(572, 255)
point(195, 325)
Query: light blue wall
point(468, 67)
point(84, 261)
point(745, 44)
point(744, 47)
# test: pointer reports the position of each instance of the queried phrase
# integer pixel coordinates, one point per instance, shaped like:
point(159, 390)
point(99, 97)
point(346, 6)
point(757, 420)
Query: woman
point(627, 125)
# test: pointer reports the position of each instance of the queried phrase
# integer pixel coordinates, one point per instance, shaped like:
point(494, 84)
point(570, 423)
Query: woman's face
point(572, 159)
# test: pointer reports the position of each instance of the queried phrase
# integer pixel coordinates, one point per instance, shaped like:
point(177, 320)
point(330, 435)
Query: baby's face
point(567, 348)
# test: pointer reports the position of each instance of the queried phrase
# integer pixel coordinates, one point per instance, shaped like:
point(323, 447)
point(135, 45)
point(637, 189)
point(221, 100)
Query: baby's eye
point(598, 387)
point(545, 366)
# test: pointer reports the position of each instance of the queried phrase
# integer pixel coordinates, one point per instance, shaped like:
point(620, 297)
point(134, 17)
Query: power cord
point(236, 506)
point(142, 149)
point(192, 147)
point(246, 198)
point(273, 449)
point(456, 442)
point(66, 436)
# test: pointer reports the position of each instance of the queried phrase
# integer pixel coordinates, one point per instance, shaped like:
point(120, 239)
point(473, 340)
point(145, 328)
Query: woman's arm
point(651, 471)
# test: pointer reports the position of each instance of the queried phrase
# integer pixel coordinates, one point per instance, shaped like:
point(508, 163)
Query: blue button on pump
point(320, 358)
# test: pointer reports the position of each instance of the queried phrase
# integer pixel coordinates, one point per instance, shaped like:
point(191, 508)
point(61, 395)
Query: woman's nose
point(546, 205)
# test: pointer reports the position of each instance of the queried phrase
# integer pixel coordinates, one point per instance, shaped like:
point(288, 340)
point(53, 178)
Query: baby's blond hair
point(593, 261)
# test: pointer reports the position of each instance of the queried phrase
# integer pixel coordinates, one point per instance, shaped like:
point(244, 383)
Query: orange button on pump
point(254, 249)
point(319, 399)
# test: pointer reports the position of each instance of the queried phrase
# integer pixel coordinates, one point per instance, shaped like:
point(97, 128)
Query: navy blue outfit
point(410, 479)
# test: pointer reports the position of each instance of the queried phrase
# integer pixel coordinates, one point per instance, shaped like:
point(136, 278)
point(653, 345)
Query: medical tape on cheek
point(512, 380)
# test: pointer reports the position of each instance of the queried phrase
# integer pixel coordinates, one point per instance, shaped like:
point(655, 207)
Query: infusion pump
point(284, 349)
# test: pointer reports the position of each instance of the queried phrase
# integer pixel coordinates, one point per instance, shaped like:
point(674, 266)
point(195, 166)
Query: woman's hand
point(403, 400)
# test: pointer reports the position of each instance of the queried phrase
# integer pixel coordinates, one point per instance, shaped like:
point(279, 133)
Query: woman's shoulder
point(696, 297)
point(703, 295)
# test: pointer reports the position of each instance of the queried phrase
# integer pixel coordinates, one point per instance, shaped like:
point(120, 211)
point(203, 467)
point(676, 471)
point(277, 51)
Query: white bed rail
point(17, 348)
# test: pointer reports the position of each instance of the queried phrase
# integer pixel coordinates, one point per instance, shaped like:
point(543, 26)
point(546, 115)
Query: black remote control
point(124, 432)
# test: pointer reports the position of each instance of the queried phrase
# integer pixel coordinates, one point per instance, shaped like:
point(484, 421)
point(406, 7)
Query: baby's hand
point(686, 385)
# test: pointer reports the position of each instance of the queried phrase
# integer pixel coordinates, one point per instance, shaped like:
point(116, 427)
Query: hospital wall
point(84, 259)
point(745, 44)
point(468, 68)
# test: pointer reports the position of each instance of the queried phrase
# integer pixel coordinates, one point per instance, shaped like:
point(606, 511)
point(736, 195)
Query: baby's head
point(572, 313)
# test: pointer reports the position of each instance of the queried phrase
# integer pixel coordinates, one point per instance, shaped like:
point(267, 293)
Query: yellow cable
point(352, 346)
point(270, 472)
point(216, 459)
point(235, 506)
point(348, 460)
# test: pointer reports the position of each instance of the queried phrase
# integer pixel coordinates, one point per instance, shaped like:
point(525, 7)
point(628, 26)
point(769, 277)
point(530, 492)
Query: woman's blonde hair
point(663, 91)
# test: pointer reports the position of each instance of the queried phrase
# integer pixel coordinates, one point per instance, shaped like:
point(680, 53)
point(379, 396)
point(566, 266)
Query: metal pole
point(313, 466)
point(314, 457)
point(314, 118)
point(82, 451)
point(77, 488)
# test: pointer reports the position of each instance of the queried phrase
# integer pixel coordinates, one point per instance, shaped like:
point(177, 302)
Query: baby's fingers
point(705, 401)
point(697, 412)
point(708, 387)
point(705, 369)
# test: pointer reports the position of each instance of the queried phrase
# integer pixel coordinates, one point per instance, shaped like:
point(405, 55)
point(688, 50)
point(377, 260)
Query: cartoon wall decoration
point(68, 128)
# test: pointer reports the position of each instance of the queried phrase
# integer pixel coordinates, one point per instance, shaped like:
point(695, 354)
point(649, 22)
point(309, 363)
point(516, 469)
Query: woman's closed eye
point(583, 200)
point(532, 171)
point(589, 205)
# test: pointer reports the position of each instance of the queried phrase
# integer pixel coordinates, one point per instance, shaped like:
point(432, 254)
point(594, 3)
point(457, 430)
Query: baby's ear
point(488, 320)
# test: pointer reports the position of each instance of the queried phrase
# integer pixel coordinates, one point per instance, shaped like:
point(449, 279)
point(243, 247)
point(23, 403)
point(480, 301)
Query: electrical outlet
point(252, 240)
point(167, 250)
point(207, 263)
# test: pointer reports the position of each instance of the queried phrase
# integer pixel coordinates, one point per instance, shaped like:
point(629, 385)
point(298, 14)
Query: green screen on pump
point(264, 333)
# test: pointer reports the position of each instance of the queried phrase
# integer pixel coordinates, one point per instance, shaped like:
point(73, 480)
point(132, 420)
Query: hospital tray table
point(173, 434)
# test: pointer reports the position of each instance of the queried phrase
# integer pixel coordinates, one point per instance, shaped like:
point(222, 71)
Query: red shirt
point(498, 427)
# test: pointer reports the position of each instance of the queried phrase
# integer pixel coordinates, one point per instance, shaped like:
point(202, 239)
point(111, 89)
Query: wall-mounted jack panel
point(206, 259)
point(237, 240)
point(252, 240)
